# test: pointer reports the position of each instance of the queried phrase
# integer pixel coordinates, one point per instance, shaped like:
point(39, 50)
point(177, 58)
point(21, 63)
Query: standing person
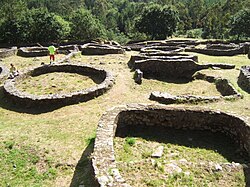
point(52, 52)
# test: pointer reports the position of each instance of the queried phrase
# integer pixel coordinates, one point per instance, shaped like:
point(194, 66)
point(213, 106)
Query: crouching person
point(13, 72)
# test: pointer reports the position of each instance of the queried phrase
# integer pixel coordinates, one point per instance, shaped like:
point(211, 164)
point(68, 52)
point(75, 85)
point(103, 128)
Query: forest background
point(30, 21)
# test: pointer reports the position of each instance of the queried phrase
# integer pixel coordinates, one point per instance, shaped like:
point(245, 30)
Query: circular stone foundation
point(244, 78)
point(4, 72)
point(32, 51)
point(103, 79)
point(137, 115)
point(6, 52)
point(100, 49)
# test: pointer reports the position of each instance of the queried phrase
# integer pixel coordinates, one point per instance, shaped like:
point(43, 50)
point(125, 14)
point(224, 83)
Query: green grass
point(55, 83)
point(196, 166)
point(23, 166)
point(65, 136)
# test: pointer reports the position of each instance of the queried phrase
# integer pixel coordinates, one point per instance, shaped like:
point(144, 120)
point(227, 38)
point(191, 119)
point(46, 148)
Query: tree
point(84, 26)
point(158, 22)
point(37, 25)
point(240, 24)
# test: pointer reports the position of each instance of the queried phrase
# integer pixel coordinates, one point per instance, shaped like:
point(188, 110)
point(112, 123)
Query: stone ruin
point(162, 48)
point(139, 115)
point(172, 56)
point(6, 52)
point(4, 72)
point(137, 46)
point(104, 81)
point(32, 51)
point(67, 49)
point(100, 49)
point(156, 63)
point(138, 76)
point(226, 89)
point(219, 49)
point(170, 68)
point(244, 78)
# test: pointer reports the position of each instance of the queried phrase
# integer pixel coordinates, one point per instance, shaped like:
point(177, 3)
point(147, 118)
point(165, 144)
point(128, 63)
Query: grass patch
point(55, 83)
point(190, 158)
point(21, 165)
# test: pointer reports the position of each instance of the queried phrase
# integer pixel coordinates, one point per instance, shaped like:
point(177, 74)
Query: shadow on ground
point(84, 173)
point(171, 80)
point(9, 105)
point(217, 141)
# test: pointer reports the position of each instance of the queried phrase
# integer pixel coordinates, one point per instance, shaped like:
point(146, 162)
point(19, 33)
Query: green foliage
point(84, 26)
point(158, 22)
point(240, 23)
point(130, 141)
point(32, 21)
point(194, 33)
point(36, 25)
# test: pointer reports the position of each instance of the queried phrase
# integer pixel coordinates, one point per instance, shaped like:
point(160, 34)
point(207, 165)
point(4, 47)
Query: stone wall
point(217, 52)
point(182, 68)
point(6, 52)
point(4, 72)
point(226, 89)
point(103, 79)
point(244, 78)
point(179, 68)
point(67, 49)
point(100, 49)
point(224, 86)
point(165, 48)
point(32, 51)
point(166, 98)
point(176, 56)
point(222, 46)
point(139, 115)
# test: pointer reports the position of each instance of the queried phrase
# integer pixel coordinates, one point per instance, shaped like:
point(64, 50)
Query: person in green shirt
point(52, 52)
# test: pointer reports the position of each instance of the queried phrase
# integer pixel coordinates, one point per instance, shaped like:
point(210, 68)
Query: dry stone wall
point(106, 81)
point(226, 89)
point(179, 68)
point(32, 51)
point(223, 86)
point(4, 72)
point(138, 115)
point(244, 78)
point(100, 49)
point(217, 52)
point(165, 48)
point(6, 52)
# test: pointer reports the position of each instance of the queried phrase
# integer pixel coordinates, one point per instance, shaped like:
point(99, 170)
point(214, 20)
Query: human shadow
point(84, 172)
point(205, 139)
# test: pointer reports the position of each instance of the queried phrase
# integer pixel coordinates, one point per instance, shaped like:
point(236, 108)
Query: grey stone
point(104, 81)
point(158, 152)
point(158, 115)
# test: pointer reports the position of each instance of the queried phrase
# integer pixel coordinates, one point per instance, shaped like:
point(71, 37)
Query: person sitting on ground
point(13, 71)
point(52, 52)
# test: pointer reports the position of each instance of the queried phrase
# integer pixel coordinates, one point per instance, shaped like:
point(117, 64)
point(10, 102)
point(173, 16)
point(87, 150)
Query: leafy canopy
point(157, 21)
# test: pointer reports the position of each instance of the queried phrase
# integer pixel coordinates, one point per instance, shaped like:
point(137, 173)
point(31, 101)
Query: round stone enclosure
point(32, 51)
point(244, 78)
point(136, 115)
point(100, 49)
point(103, 79)
point(4, 71)
point(6, 52)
